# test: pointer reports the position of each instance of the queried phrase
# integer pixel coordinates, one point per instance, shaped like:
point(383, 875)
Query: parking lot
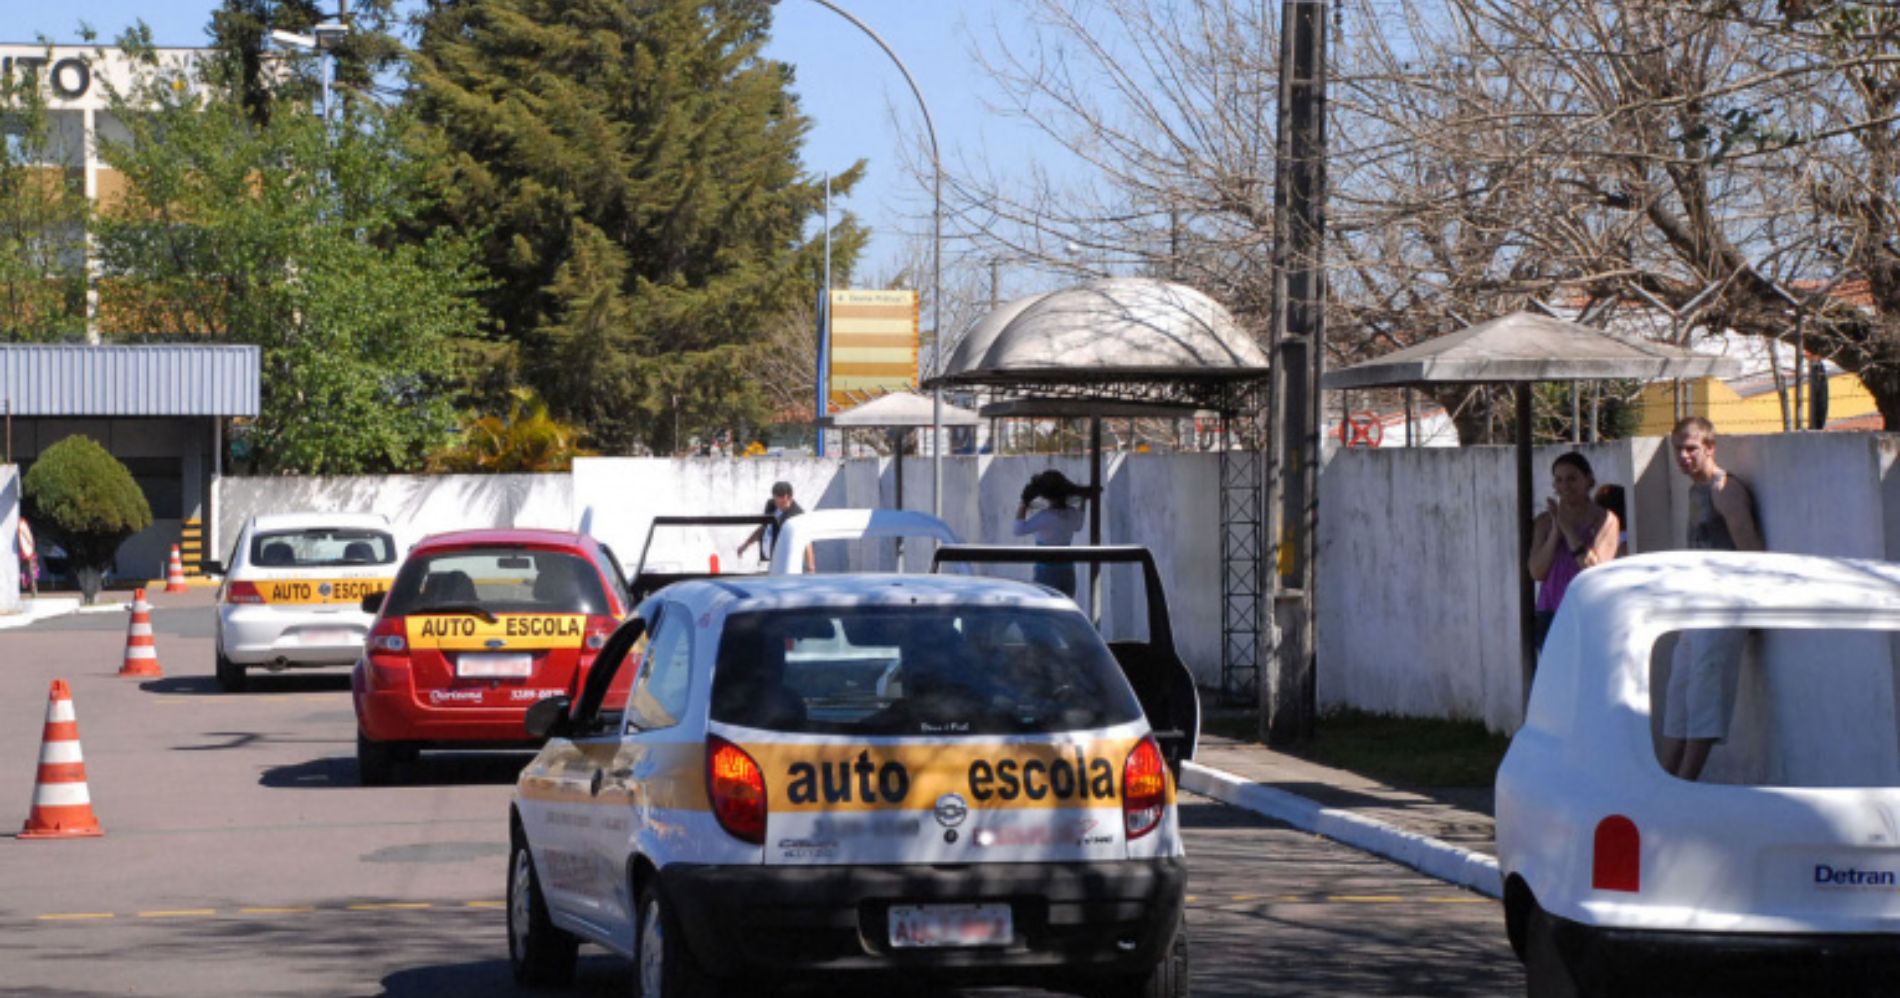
point(241, 857)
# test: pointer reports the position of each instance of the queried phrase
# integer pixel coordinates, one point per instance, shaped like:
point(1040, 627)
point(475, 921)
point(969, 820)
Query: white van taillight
point(1618, 855)
point(737, 787)
point(242, 592)
point(387, 636)
point(1144, 789)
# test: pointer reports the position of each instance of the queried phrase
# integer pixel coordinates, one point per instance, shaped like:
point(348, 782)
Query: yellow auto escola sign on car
point(846, 777)
point(309, 592)
point(466, 632)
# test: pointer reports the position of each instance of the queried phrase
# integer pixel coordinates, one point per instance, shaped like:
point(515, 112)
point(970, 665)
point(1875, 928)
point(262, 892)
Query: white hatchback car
point(293, 594)
point(1778, 870)
point(913, 779)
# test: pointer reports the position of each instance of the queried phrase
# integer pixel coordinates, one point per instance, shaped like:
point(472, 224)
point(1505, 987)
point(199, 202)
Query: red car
point(478, 626)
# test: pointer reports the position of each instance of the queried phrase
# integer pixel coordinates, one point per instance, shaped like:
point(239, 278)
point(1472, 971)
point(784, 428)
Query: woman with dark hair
point(1572, 534)
point(1058, 515)
point(1611, 497)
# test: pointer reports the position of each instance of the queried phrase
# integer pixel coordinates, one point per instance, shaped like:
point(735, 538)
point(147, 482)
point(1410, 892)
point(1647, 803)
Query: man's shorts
point(1702, 677)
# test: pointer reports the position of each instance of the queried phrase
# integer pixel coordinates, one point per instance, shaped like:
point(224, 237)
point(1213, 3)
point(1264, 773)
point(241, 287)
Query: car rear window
point(1786, 706)
point(500, 580)
point(322, 547)
point(918, 670)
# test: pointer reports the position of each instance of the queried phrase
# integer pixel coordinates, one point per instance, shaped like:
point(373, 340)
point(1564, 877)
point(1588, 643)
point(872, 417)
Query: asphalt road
point(241, 858)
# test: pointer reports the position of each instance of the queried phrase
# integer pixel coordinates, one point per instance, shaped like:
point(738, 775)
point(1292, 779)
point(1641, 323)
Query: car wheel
point(231, 677)
point(1545, 975)
point(663, 965)
point(538, 953)
point(375, 761)
point(1168, 978)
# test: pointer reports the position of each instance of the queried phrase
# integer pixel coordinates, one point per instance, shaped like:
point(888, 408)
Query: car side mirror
point(548, 717)
point(211, 566)
point(373, 602)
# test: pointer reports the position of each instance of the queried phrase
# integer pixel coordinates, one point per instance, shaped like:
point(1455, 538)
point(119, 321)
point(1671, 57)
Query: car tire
point(375, 761)
point(1168, 978)
point(231, 676)
point(663, 965)
point(538, 952)
point(1545, 975)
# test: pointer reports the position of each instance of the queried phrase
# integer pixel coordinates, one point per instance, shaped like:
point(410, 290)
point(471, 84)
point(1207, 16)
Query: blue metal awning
point(68, 380)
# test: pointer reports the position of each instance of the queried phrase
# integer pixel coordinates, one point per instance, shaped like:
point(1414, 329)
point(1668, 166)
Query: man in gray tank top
point(1701, 690)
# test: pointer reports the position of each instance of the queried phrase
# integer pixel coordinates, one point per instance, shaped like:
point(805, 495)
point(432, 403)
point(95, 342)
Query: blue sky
point(859, 101)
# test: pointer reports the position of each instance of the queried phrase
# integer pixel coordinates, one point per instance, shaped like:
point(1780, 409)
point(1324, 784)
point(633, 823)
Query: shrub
point(81, 497)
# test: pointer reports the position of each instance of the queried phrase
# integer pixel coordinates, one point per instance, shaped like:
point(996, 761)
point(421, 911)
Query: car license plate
point(492, 665)
point(934, 925)
point(334, 637)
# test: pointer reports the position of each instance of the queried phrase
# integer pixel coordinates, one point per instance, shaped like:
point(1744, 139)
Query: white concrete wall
point(417, 505)
point(9, 527)
point(1417, 592)
point(1418, 600)
point(1169, 502)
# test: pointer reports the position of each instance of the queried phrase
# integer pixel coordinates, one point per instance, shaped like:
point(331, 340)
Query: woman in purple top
point(1572, 534)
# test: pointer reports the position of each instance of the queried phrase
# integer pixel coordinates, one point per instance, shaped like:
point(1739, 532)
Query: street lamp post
point(936, 257)
point(322, 40)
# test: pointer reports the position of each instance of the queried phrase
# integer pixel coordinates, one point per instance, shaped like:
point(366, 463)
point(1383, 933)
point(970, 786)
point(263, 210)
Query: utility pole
point(1288, 696)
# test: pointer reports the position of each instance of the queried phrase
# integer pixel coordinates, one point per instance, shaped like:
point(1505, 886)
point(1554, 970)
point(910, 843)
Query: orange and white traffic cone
point(713, 563)
point(175, 573)
point(61, 806)
point(141, 649)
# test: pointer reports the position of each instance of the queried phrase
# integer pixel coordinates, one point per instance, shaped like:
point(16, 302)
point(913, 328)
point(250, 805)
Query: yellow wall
point(1710, 398)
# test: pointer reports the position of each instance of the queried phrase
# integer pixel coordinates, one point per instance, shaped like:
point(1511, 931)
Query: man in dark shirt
point(780, 507)
point(1700, 695)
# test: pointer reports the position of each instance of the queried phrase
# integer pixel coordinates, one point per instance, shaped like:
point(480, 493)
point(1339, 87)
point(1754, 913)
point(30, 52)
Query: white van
point(1777, 871)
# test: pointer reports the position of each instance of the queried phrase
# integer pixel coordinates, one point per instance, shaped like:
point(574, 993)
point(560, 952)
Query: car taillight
point(388, 636)
point(1617, 864)
point(1144, 789)
point(738, 790)
point(599, 629)
point(242, 592)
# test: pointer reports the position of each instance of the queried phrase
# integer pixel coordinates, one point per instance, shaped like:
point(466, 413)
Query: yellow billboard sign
point(874, 336)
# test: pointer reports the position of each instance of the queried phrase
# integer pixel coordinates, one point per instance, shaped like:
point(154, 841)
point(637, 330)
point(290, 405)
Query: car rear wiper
point(468, 608)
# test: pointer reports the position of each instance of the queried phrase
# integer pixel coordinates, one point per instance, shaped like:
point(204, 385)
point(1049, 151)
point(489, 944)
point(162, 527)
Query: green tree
point(632, 173)
point(81, 497)
point(42, 218)
point(299, 239)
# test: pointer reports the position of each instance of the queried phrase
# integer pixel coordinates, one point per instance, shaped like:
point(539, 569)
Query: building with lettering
point(161, 409)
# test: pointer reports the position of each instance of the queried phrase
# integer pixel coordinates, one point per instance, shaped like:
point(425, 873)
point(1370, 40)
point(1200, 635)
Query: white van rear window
point(1789, 707)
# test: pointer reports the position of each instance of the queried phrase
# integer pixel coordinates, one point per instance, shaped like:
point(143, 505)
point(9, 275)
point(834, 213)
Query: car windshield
point(322, 547)
point(918, 670)
point(499, 580)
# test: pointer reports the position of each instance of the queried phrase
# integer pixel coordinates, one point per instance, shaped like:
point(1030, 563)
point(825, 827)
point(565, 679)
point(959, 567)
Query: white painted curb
point(1432, 857)
point(40, 609)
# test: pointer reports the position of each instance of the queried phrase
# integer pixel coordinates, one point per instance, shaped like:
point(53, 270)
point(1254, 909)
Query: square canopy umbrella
point(1520, 350)
point(900, 411)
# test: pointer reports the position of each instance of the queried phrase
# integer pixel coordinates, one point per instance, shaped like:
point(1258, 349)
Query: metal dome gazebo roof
point(1117, 346)
point(1125, 339)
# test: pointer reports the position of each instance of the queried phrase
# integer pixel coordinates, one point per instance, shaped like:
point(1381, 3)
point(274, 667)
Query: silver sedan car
point(293, 593)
